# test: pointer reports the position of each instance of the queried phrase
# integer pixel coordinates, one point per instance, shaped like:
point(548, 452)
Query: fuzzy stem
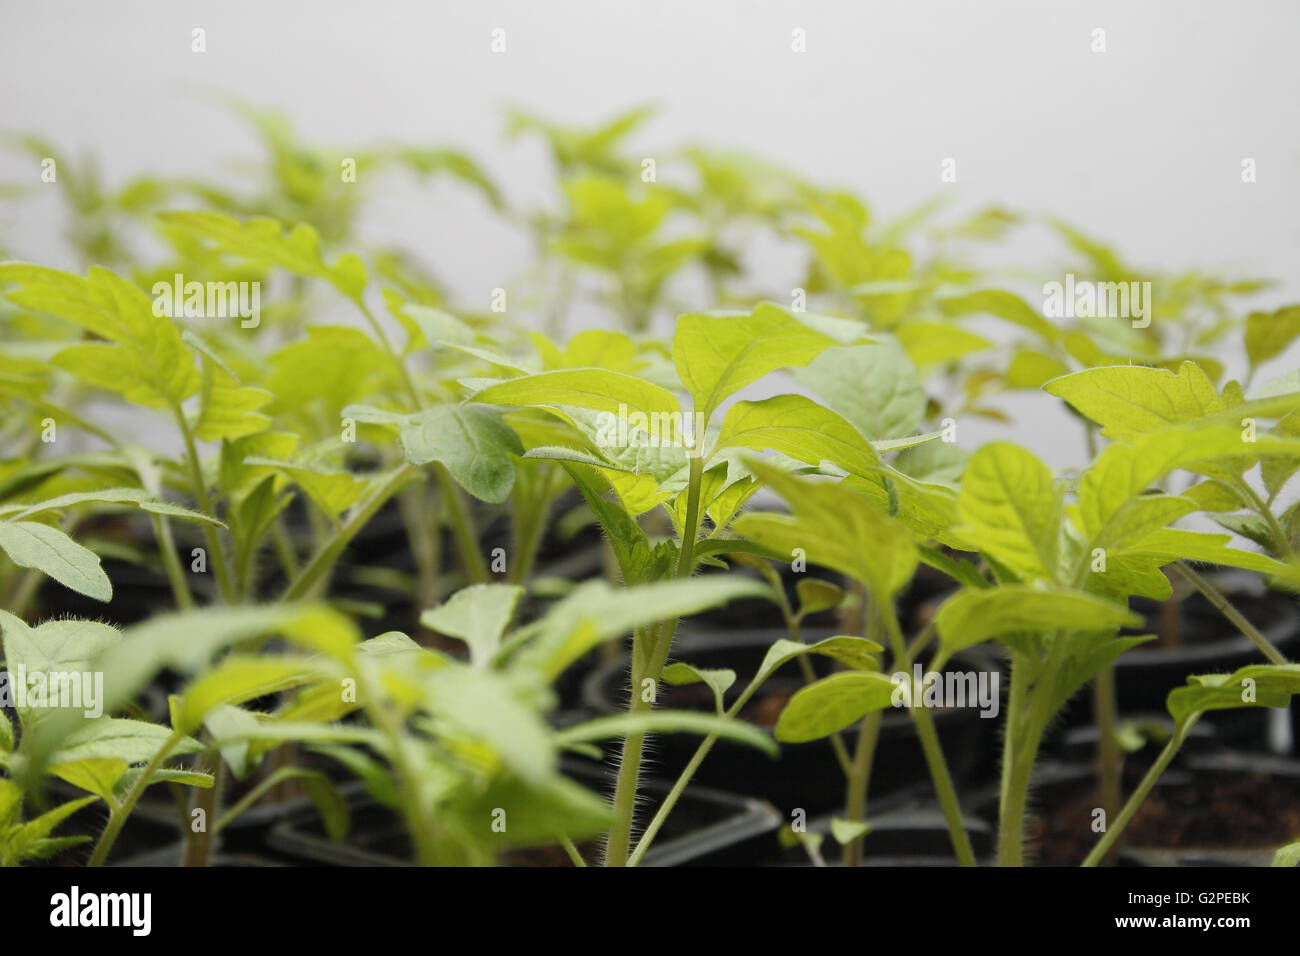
point(648, 662)
point(118, 815)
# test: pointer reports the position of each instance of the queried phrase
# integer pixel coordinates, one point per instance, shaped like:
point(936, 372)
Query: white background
point(1140, 145)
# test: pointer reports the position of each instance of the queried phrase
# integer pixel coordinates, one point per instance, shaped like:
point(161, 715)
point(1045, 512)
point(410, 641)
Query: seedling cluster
point(281, 520)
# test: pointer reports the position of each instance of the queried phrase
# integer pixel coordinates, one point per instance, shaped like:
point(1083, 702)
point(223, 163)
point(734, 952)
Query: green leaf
point(933, 343)
point(1125, 470)
point(1277, 471)
point(472, 441)
point(973, 616)
point(430, 326)
point(1032, 369)
point(718, 355)
point(832, 704)
point(262, 242)
point(1288, 855)
point(846, 831)
point(333, 490)
point(144, 358)
point(594, 388)
point(133, 496)
point(816, 595)
point(64, 644)
point(717, 680)
point(666, 722)
point(1009, 504)
point(1256, 685)
point(1130, 400)
point(857, 653)
point(225, 721)
point(537, 812)
point(97, 775)
point(27, 841)
point(227, 408)
point(631, 547)
point(31, 544)
point(593, 613)
point(1269, 333)
point(828, 526)
point(117, 738)
point(483, 708)
point(478, 615)
point(238, 678)
point(1173, 544)
point(875, 387)
point(798, 427)
point(1004, 305)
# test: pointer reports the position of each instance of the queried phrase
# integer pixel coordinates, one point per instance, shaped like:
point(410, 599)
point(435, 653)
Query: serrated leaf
point(144, 358)
point(134, 741)
point(875, 387)
point(718, 355)
point(1010, 505)
point(262, 241)
point(1130, 400)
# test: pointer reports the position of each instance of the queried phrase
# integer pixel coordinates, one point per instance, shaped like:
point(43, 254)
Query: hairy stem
point(118, 815)
point(647, 662)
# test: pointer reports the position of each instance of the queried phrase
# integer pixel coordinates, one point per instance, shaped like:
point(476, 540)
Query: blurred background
point(1140, 145)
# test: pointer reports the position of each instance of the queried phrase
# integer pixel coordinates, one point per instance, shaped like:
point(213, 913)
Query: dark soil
point(1204, 811)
